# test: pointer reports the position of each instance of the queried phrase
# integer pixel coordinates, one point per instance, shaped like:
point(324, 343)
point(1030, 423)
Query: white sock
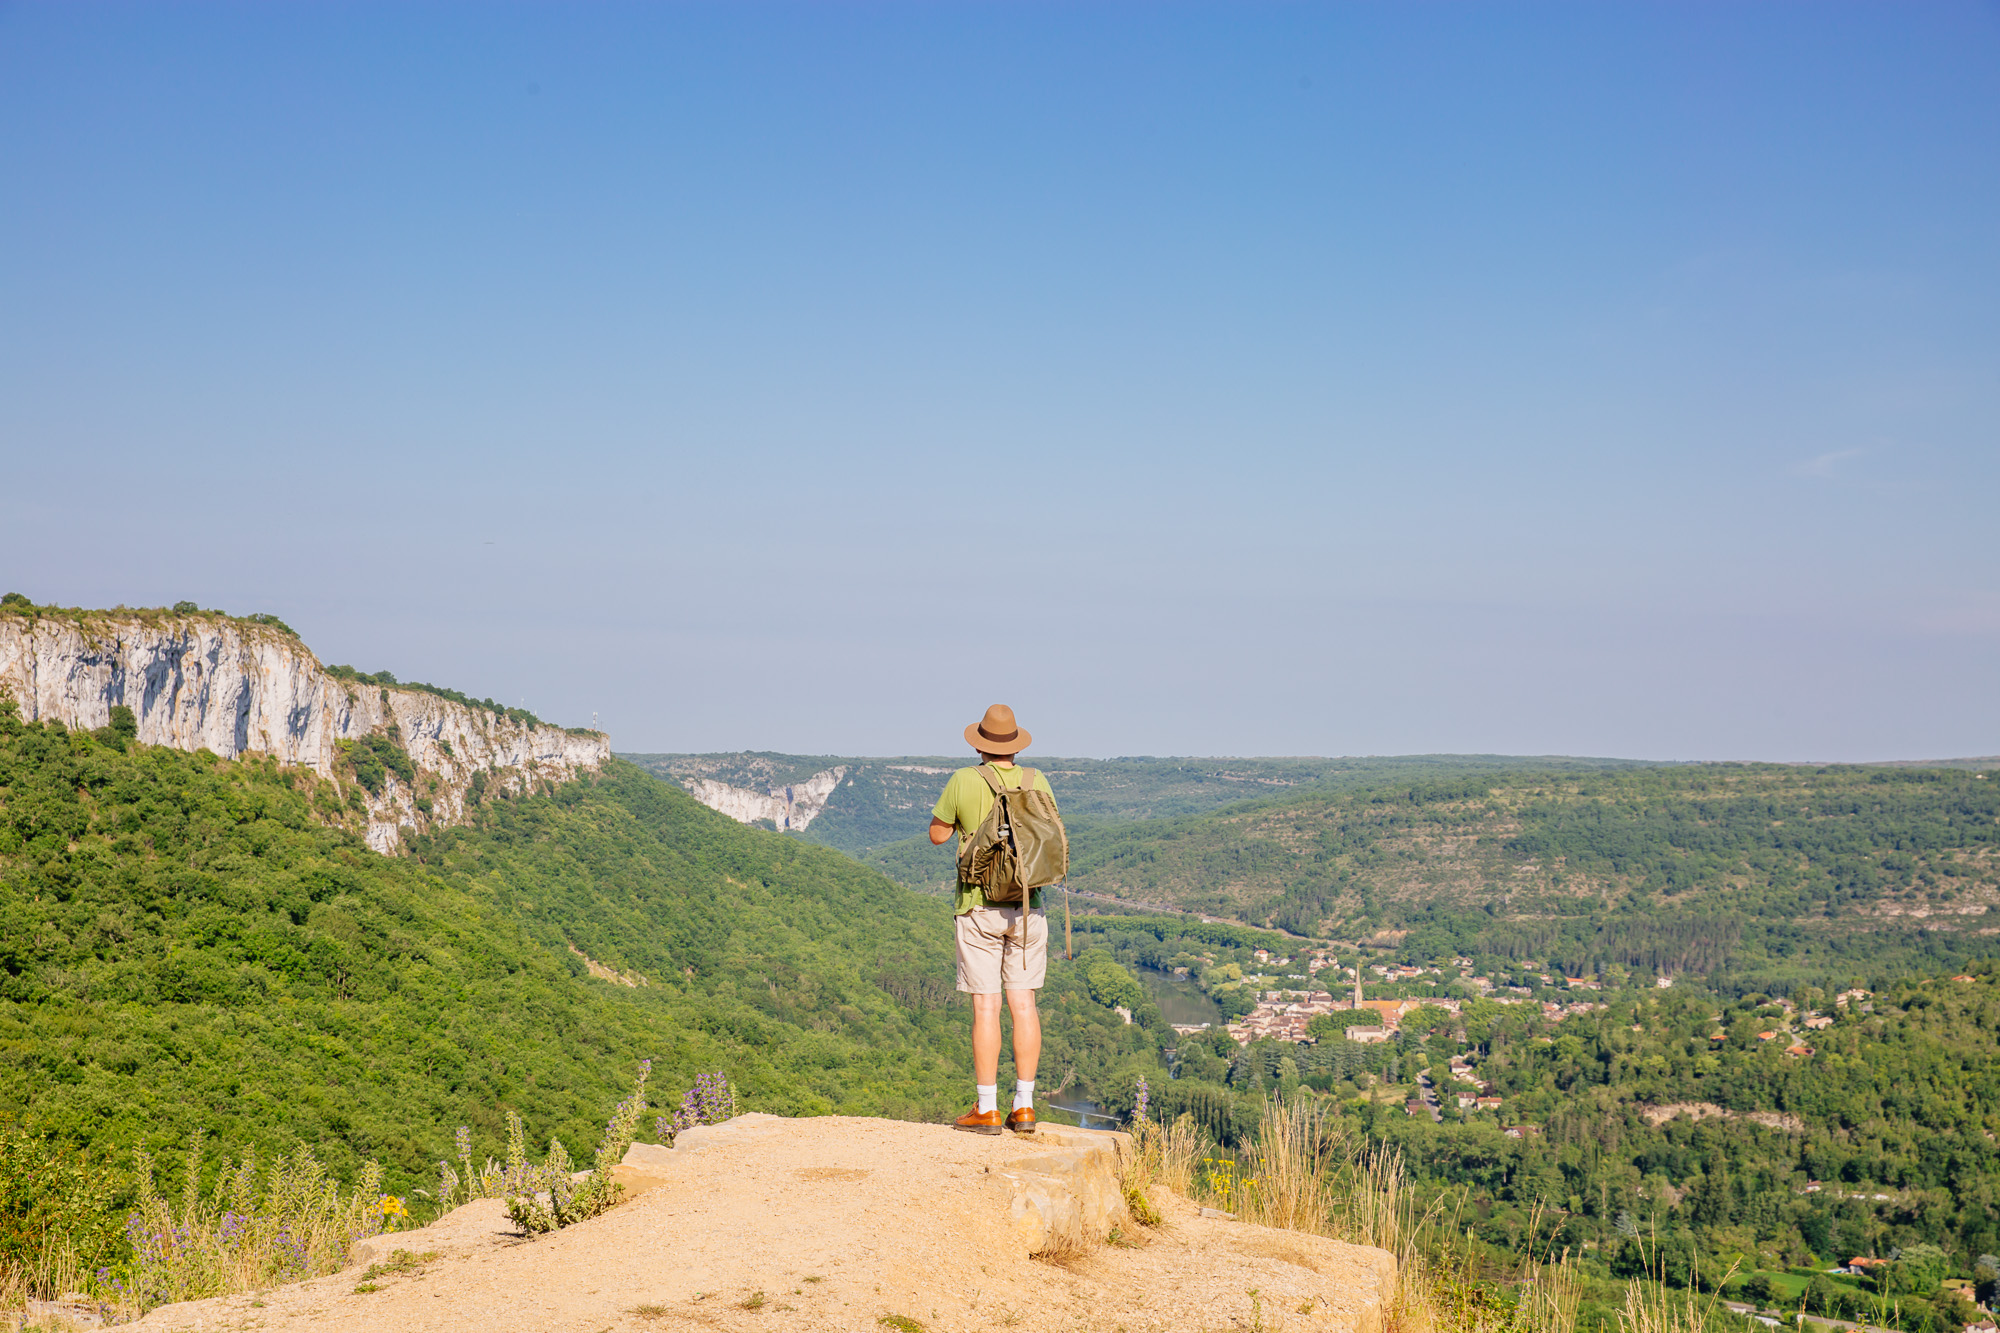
point(1024, 1093)
point(989, 1096)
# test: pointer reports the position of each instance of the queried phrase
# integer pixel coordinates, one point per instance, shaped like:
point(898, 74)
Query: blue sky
point(1245, 379)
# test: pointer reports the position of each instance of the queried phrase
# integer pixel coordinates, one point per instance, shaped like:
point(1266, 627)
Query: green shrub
point(122, 730)
point(55, 1212)
point(1110, 985)
point(373, 757)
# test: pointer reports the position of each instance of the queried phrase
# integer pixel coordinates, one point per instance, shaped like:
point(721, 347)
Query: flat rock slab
point(834, 1223)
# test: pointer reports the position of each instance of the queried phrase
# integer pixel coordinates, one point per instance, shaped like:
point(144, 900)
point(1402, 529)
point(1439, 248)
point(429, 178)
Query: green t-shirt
point(965, 802)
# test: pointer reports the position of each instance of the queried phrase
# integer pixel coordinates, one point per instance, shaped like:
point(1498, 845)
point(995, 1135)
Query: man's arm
point(944, 815)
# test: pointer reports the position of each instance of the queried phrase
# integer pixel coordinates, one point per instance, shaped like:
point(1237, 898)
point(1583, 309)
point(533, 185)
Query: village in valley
point(1330, 999)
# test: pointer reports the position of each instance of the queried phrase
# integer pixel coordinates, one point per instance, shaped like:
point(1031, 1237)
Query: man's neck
point(998, 761)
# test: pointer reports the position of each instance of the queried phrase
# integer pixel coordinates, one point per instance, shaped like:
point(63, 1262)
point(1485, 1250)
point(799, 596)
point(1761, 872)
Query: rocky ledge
point(845, 1224)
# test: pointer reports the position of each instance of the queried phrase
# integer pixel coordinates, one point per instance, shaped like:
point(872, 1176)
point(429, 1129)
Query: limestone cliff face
point(236, 688)
point(790, 807)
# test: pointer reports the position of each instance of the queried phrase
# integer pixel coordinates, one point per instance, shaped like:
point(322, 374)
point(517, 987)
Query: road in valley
point(1428, 1091)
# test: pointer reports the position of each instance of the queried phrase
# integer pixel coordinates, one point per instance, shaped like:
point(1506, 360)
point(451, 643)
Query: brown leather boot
point(1021, 1120)
point(979, 1122)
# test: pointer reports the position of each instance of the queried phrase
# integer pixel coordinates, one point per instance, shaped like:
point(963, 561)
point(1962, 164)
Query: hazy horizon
point(1031, 761)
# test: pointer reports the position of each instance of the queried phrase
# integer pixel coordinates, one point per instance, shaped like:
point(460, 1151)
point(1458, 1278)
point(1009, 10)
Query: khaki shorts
point(990, 958)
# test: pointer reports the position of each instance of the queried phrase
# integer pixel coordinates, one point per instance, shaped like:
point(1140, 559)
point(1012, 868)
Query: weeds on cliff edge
point(256, 1228)
point(545, 1198)
point(1437, 1286)
point(709, 1102)
point(551, 1196)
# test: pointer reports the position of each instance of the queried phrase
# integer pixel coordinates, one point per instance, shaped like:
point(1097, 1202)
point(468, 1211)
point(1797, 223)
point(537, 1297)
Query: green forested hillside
point(1785, 874)
point(1669, 869)
point(882, 801)
point(183, 946)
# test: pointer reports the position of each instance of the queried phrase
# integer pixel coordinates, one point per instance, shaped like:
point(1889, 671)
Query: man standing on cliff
point(991, 959)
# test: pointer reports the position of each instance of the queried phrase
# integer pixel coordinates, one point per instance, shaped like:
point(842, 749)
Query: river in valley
point(1180, 1000)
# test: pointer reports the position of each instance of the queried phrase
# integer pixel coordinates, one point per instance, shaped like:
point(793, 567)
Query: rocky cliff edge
point(837, 1223)
point(205, 681)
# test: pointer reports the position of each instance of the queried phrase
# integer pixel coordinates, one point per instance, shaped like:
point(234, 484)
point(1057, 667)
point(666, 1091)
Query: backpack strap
point(1027, 779)
point(992, 777)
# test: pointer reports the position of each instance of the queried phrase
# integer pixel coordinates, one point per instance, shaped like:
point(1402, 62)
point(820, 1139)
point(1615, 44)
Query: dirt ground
point(829, 1224)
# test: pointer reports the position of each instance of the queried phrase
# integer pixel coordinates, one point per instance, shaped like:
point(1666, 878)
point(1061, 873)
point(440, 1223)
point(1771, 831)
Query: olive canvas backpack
point(1020, 846)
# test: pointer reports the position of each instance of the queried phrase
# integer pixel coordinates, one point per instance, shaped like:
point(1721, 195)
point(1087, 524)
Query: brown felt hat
point(997, 732)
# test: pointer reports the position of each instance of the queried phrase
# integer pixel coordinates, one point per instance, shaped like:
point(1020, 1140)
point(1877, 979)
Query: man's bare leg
point(1027, 1036)
point(984, 1117)
point(986, 1037)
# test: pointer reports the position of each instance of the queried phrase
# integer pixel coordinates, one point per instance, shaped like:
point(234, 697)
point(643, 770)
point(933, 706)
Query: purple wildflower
point(709, 1102)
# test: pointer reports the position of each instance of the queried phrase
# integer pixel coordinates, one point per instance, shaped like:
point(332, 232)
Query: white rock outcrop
point(235, 688)
point(791, 807)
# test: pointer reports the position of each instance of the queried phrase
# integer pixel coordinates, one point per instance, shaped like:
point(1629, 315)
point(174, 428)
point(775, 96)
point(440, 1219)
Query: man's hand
point(941, 831)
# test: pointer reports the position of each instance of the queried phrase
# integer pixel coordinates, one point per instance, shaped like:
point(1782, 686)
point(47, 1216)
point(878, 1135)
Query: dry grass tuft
point(1169, 1154)
point(53, 1271)
point(255, 1228)
point(1307, 1173)
point(398, 1262)
point(1651, 1308)
point(1068, 1244)
point(1300, 1147)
